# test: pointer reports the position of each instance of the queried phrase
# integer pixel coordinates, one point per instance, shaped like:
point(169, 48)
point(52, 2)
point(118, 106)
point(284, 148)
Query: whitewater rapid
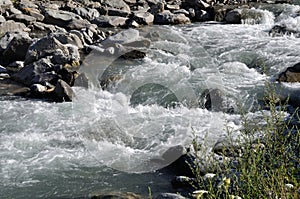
point(101, 140)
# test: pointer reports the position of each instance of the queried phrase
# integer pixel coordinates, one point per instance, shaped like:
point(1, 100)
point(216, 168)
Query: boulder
point(8, 37)
point(3, 69)
point(17, 48)
point(87, 13)
point(33, 13)
point(78, 24)
point(69, 38)
point(2, 19)
point(11, 26)
point(26, 19)
point(38, 89)
point(234, 16)
point(40, 72)
point(169, 196)
point(5, 5)
point(167, 17)
point(117, 4)
point(15, 66)
point(63, 92)
point(123, 37)
point(172, 7)
point(10, 87)
point(280, 30)
point(143, 18)
point(117, 12)
point(291, 74)
point(110, 21)
point(157, 8)
point(46, 27)
point(134, 54)
point(116, 195)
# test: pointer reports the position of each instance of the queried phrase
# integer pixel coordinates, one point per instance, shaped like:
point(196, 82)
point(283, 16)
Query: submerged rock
point(291, 74)
point(63, 92)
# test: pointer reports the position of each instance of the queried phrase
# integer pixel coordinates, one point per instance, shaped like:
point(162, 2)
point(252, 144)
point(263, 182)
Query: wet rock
point(3, 69)
point(81, 81)
point(15, 66)
point(143, 18)
point(110, 21)
point(17, 47)
point(123, 37)
point(63, 92)
point(134, 54)
point(170, 196)
point(11, 26)
point(67, 76)
point(49, 45)
point(87, 13)
point(38, 89)
point(182, 182)
point(280, 30)
point(117, 4)
point(9, 87)
point(40, 72)
point(116, 195)
point(214, 100)
point(234, 16)
point(291, 74)
point(226, 147)
point(26, 19)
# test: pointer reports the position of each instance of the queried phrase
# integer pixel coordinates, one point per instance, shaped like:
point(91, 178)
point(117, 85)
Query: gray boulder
point(117, 4)
point(11, 26)
point(39, 72)
point(63, 92)
point(123, 37)
point(46, 27)
point(110, 21)
point(117, 12)
point(170, 196)
point(291, 74)
point(34, 13)
point(44, 47)
point(17, 48)
point(87, 13)
point(69, 38)
point(5, 5)
point(143, 18)
point(2, 19)
point(26, 19)
point(167, 17)
point(234, 16)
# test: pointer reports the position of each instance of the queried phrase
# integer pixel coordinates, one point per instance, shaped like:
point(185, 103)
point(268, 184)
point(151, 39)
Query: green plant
point(269, 165)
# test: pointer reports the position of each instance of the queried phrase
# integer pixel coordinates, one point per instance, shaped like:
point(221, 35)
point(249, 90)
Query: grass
point(268, 166)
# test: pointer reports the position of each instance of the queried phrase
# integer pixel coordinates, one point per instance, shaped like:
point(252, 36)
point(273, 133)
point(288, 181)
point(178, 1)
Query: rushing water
point(114, 140)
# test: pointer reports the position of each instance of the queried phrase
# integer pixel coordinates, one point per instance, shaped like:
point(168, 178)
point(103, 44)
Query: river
point(113, 140)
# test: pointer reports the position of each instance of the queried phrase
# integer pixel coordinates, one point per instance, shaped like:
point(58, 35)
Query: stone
point(44, 47)
point(202, 4)
point(8, 37)
point(157, 8)
point(17, 48)
point(167, 17)
point(134, 54)
point(40, 72)
point(143, 18)
point(26, 19)
point(291, 74)
point(87, 13)
point(2, 19)
point(15, 66)
point(69, 38)
point(116, 195)
point(212, 100)
point(169, 196)
point(280, 30)
point(11, 26)
point(182, 11)
point(34, 13)
point(63, 92)
point(44, 27)
point(234, 16)
point(81, 81)
point(226, 147)
point(38, 89)
point(172, 7)
point(117, 4)
point(123, 37)
point(59, 17)
point(110, 21)
point(78, 24)
point(10, 87)
point(3, 69)
point(117, 12)
point(5, 5)
point(182, 182)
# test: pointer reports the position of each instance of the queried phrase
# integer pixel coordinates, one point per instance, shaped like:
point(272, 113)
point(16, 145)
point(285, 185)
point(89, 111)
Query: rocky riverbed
point(48, 48)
